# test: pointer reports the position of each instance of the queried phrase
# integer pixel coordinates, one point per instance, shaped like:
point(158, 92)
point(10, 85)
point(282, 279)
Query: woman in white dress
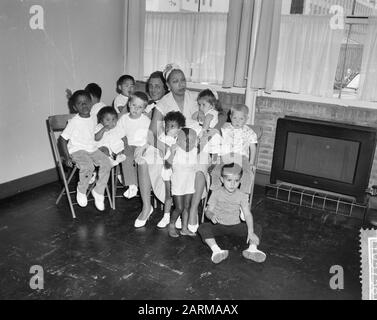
point(149, 170)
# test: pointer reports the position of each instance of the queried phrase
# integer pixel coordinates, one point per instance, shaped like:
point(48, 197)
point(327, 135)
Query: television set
point(323, 155)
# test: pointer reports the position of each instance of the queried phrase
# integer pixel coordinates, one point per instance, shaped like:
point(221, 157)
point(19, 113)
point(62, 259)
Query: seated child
point(238, 146)
point(125, 88)
point(174, 121)
point(224, 210)
point(184, 160)
point(95, 92)
point(208, 114)
point(134, 127)
point(78, 146)
point(108, 135)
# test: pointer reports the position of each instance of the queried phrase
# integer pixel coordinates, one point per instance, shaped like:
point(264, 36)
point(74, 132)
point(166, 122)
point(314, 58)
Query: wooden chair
point(55, 126)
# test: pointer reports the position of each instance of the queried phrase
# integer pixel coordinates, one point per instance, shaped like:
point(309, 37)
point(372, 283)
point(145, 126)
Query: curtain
point(195, 41)
point(267, 45)
point(238, 40)
point(134, 15)
point(368, 79)
point(308, 55)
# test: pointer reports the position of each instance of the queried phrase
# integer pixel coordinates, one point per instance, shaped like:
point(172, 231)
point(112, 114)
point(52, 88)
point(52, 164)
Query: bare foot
point(187, 232)
point(173, 231)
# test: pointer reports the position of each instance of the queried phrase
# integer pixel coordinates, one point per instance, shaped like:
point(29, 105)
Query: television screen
point(323, 157)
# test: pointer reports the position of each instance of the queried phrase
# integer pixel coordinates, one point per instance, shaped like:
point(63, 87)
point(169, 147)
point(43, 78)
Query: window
point(327, 52)
point(191, 33)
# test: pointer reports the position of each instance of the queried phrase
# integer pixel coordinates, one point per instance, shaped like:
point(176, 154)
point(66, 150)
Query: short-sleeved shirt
point(120, 101)
point(168, 104)
point(111, 139)
point(95, 109)
point(80, 134)
point(227, 205)
point(237, 140)
point(136, 130)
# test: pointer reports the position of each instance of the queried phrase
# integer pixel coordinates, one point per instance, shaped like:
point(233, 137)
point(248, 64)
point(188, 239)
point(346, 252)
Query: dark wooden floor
point(101, 255)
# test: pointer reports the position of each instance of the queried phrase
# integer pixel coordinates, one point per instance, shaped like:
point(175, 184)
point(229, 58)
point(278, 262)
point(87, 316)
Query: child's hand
point(252, 238)
point(214, 220)
point(167, 164)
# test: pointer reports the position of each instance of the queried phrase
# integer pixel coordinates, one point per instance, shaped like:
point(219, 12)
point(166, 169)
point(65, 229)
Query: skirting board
point(14, 187)
point(36, 180)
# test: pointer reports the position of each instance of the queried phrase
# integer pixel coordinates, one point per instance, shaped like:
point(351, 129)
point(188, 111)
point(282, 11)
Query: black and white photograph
point(188, 156)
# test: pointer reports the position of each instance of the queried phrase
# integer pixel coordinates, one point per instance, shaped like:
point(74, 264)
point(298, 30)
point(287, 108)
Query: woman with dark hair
point(156, 88)
point(149, 172)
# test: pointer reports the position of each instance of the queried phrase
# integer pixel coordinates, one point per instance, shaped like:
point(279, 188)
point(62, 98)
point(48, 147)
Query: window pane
point(350, 60)
point(214, 6)
point(316, 7)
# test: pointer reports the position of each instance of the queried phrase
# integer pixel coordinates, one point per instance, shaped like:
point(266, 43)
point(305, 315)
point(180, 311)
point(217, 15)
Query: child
point(134, 127)
point(238, 145)
point(78, 146)
point(125, 88)
point(184, 160)
point(208, 114)
point(174, 121)
point(108, 135)
point(95, 92)
point(224, 210)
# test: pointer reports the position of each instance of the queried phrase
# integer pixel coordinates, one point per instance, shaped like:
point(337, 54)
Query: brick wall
point(268, 110)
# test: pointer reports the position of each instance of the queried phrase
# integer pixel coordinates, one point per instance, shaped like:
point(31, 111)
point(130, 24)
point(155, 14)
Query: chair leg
point(109, 196)
point(205, 203)
point(67, 189)
point(64, 179)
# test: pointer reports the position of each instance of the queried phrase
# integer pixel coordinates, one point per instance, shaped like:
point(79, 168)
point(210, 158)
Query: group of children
point(103, 136)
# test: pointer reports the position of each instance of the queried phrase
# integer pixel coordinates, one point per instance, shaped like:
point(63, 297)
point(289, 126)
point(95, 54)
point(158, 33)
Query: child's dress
point(184, 172)
point(120, 102)
point(167, 173)
point(215, 119)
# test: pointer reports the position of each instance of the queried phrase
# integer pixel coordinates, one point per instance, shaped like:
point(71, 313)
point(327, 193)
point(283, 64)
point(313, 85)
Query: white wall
point(82, 42)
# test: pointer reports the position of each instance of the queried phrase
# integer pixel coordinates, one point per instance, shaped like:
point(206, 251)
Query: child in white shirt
point(208, 114)
point(184, 160)
point(125, 89)
point(174, 121)
point(134, 127)
point(78, 146)
point(109, 137)
point(238, 146)
point(95, 92)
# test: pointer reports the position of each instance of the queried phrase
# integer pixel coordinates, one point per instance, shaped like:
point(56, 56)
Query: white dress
point(184, 172)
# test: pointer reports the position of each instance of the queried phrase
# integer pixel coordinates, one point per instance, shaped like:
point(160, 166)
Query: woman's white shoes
point(141, 223)
point(164, 221)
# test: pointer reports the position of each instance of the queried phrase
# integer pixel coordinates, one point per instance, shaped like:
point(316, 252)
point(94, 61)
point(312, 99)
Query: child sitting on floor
point(78, 146)
point(184, 161)
point(238, 146)
point(174, 121)
point(134, 127)
point(224, 212)
point(125, 88)
point(108, 136)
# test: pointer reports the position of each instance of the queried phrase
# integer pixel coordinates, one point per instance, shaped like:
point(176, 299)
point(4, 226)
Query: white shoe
point(131, 192)
point(93, 178)
point(242, 215)
point(178, 223)
point(141, 223)
point(219, 256)
point(81, 199)
point(164, 221)
point(99, 201)
point(193, 228)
